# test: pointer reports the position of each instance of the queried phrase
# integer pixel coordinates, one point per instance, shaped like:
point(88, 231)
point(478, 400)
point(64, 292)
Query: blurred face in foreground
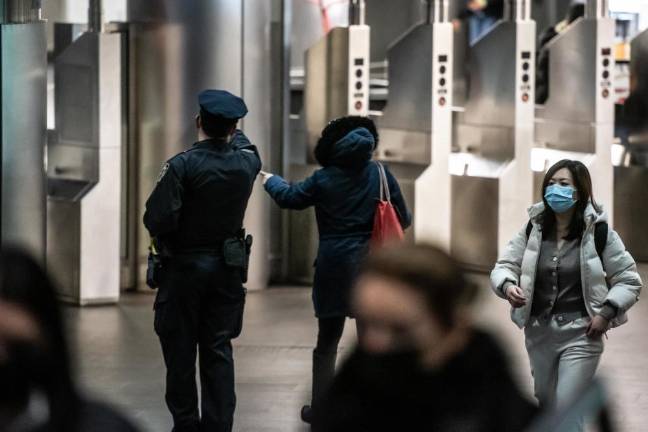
point(395, 318)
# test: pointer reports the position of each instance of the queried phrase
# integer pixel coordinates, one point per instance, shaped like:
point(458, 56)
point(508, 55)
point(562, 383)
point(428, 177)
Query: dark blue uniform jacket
point(345, 196)
point(202, 194)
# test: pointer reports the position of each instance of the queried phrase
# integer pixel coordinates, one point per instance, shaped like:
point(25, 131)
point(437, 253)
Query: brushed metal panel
point(391, 19)
point(64, 246)
point(75, 153)
point(303, 235)
point(475, 221)
point(397, 145)
point(307, 27)
point(491, 99)
point(631, 209)
point(410, 82)
point(23, 72)
point(572, 72)
point(258, 72)
point(325, 91)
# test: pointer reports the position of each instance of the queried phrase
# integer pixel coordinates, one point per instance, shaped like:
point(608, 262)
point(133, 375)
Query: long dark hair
point(24, 283)
point(583, 184)
point(338, 129)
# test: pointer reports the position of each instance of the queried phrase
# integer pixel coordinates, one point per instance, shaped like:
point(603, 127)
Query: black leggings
point(329, 334)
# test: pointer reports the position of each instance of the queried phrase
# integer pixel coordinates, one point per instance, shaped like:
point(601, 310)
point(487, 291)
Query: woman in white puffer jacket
point(568, 278)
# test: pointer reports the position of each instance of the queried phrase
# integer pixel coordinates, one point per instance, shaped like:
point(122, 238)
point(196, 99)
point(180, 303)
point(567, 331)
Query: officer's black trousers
point(198, 311)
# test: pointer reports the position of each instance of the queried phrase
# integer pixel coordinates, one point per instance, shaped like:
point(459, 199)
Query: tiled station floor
point(119, 358)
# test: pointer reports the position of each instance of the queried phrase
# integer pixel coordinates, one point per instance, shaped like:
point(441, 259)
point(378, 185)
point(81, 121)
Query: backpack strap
point(600, 238)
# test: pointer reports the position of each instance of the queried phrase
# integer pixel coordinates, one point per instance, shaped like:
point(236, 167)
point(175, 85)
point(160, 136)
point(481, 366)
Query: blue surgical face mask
point(560, 198)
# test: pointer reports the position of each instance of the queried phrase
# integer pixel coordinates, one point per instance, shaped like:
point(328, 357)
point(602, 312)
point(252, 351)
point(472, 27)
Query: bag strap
point(385, 195)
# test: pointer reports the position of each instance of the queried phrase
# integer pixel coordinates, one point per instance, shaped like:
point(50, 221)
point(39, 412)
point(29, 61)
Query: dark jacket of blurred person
point(421, 364)
point(37, 390)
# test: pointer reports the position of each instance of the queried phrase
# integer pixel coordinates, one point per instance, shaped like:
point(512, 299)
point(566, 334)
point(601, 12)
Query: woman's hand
point(515, 296)
point(597, 327)
point(265, 176)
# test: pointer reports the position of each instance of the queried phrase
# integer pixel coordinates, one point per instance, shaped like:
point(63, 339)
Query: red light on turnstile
point(606, 93)
point(525, 97)
point(442, 101)
point(358, 106)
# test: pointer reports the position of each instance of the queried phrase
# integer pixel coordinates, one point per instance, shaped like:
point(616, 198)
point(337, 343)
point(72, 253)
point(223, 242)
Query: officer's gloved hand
point(265, 176)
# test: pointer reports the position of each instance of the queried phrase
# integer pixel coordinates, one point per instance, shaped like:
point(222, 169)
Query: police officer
point(195, 211)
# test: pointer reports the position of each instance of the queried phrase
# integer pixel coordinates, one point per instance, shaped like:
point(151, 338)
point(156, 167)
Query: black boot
point(323, 372)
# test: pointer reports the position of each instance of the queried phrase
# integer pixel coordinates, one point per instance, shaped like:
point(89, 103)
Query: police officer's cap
point(221, 103)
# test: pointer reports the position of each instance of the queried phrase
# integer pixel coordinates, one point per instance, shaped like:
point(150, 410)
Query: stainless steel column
point(181, 47)
point(23, 126)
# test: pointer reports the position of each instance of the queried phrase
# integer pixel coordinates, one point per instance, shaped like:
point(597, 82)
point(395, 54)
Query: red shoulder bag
point(387, 227)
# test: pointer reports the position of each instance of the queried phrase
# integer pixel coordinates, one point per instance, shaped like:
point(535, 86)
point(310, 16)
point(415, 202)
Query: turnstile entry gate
point(84, 167)
point(336, 85)
point(416, 125)
point(577, 121)
point(491, 177)
point(23, 125)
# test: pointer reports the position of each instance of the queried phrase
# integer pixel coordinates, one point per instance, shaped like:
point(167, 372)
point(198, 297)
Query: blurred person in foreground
point(421, 364)
point(37, 390)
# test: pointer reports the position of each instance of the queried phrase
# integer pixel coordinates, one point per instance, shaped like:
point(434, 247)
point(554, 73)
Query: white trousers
point(563, 359)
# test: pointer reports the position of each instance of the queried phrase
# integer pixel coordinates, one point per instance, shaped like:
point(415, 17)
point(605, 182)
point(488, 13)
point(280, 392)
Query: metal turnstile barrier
point(416, 125)
point(577, 121)
point(491, 176)
point(84, 171)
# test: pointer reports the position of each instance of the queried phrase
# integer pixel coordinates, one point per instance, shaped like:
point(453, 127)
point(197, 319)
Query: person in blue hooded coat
point(344, 192)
